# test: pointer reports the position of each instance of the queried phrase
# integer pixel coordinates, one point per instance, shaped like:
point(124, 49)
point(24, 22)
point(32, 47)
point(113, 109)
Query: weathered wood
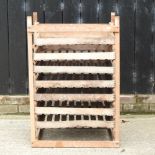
point(74, 111)
point(35, 18)
point(71, 12)
point(128, 38)
point(75, 47)
point(73, 69)
point(117, 84)
point(70, 41)
point(81, 34)
point(52, 11)
point(113, 18)
point(4, 48)
point(31, 78)
point(73, 28)
point(105, 9)
point(76, 97)
point(144, 47)
point(89, 13)
point(74, 83)
point(75, 56)
point(17, 47)
point(75, 124)
point(54, 44)
point(63, 143)
point(37, 6)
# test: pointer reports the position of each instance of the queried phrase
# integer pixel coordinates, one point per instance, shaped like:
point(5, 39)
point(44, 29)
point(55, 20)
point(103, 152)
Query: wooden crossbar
point(72, 97)
point(75, 124)
point(68, 34)
point(73, 69)
point(74, 111)
point(42, 28)
point(74, 83)
point(75, 143)
point(69, 41)
point(75, 56)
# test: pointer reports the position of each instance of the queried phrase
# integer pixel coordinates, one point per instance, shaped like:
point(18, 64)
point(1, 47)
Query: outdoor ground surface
point(137, 138)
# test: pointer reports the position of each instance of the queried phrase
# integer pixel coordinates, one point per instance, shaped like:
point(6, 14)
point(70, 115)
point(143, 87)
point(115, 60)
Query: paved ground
point(137, 138)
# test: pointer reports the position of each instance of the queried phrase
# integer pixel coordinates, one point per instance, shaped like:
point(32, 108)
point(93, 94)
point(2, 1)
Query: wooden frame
point(76, 36)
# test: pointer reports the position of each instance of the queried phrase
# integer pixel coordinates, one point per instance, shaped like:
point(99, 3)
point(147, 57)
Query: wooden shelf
point(74, 81)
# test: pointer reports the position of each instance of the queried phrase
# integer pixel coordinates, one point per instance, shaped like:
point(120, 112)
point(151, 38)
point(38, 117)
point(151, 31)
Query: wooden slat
point(75, 83)
point(75, 56)
point(75, 124)
point(75, 143)
point(71, 41)
point(75, 48)
point(73, 69)
point(73, 28)
point(72, 97)
point(74, 111)
point(81, 34)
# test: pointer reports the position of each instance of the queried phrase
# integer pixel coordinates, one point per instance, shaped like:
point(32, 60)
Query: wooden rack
point(74, 82)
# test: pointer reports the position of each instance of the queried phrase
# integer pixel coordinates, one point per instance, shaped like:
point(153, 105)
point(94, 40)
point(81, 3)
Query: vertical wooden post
point(113, 76)
point(35, 22)
point(35, 18)
point(31, 91)
point(117, 82)
point(112, 18)
point(116, 77)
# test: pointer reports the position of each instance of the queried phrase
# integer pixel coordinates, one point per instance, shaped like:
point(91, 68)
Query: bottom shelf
point(75, 138)
point(75, 134)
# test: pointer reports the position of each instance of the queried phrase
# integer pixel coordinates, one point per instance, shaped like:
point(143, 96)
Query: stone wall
point(14, 105)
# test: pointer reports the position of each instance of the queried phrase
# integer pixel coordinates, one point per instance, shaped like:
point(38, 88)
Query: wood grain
point(72, 97)
point(73, 69)
point(74, 83)
point(74, 111)
point(75, 56)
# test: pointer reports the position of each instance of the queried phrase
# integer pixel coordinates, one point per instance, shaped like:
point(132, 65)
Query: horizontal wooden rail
point(73, 28)
point(81, 34)
point(75, 143)
point(75, 48)
point(73, 69)
point(75, 41)
point(75, 56)
point(74, 83)
point(74, 111)
point(76, 97)
point(75, 124)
